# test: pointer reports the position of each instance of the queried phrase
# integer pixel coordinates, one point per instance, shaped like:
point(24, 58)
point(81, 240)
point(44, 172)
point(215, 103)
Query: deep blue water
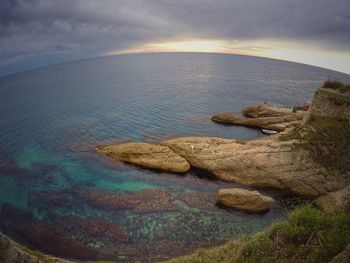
point(52, 118)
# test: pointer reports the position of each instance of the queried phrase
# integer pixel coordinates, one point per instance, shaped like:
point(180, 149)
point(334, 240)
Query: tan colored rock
point(338, 201)
point(259, 111)
point(265, 162)
point(249, 201)
point(271, 123)
point(147, 155)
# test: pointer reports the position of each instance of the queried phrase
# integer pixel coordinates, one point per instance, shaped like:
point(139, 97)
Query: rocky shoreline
point(265, 162)
point(269, 162)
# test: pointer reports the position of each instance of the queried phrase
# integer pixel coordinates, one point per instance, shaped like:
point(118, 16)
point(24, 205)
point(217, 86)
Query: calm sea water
point(59, 195)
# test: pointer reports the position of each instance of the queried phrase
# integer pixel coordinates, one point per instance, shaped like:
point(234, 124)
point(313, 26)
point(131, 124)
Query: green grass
point(309, 235)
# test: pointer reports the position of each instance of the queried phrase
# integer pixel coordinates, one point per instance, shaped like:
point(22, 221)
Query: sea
point(60, 196)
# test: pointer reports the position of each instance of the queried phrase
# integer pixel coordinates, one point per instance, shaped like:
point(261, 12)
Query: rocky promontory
point(266, 162)
point(263, 116)
point(147, 155)
point(274, 162)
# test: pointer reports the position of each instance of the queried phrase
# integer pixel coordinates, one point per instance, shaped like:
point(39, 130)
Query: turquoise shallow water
point(59, 195)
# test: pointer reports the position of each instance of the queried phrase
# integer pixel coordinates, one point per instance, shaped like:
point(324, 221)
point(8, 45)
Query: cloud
point(78, 28)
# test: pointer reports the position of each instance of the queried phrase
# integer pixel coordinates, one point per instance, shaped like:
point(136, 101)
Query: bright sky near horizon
point(36, 33)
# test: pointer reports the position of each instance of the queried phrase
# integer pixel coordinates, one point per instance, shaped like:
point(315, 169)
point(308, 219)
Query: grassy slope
point(309, 235)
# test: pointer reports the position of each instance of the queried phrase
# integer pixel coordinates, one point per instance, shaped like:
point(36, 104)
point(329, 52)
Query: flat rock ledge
point(265, 162)
point(248, 201)
point(147, 155)
point(264, 117)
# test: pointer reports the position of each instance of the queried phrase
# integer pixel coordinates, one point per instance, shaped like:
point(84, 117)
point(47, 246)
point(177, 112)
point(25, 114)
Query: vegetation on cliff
point(309, 235)
point(327, 140)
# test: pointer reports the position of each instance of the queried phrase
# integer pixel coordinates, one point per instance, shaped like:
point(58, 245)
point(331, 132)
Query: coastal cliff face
point(265, 162)
point(332, 103)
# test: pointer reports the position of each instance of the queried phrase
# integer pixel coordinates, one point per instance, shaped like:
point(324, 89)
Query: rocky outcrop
point(263, 116)
point(249, 201)
point(338, 201)
point(265, 162)
point(259, 111)
point(328, 102)
point(270, 123)
point(147, 155)
point(11, 252)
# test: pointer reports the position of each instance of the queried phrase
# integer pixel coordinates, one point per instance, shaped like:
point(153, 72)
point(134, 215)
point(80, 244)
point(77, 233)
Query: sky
point(35, 33)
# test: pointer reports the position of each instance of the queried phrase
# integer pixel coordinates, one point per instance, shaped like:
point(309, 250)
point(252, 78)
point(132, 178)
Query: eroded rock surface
point(270, 123)
point(147, 155)
point(265, 162)
point(249, 201)
point(263, 116)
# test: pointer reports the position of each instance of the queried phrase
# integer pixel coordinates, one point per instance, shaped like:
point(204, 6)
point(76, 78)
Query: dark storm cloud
point(32, 29)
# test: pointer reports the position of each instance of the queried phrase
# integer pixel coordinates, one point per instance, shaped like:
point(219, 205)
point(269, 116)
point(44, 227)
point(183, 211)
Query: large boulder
point(147, 155)
point(265, 162)
point(338, 201)
point(249, 201)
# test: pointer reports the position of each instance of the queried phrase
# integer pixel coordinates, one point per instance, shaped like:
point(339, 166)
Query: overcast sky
point(39, 32)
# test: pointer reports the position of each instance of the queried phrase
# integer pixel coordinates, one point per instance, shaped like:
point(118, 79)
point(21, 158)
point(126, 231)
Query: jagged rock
point(11, 253)
point(265, 162)
point(249, 201)
point(52, 240)
point(338, 201)
point(147, 155)
point(342, 257)
point(203, 200)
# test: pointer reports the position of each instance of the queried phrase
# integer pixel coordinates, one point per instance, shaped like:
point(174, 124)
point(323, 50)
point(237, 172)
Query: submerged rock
point(91, 227)
point(249, 201)
point(265, 162)
point(147, 155)
point(144, 201)
point(50, 239)
point(338, 201)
